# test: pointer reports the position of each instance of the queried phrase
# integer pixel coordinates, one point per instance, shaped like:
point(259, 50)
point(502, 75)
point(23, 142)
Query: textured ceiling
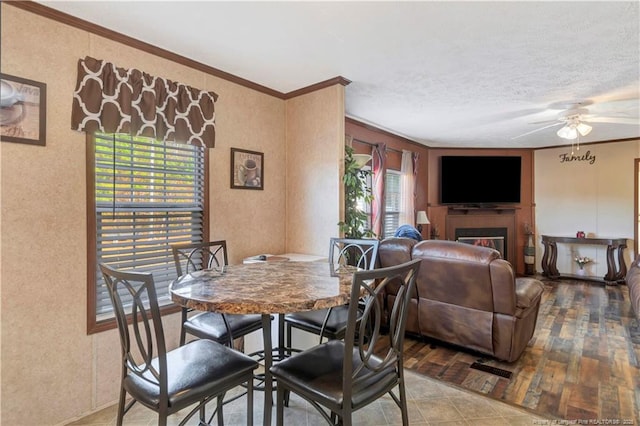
point(446, 74)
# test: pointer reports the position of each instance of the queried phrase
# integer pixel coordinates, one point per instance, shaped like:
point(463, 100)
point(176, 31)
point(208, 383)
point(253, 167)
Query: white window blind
point(148, 195)
point(392, 201)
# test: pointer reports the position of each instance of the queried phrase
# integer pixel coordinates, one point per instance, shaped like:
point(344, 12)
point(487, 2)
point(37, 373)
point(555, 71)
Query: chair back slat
point(362, 253)
point(346, 254)
point(364, 337)
point(143, 313)
point(192, 257)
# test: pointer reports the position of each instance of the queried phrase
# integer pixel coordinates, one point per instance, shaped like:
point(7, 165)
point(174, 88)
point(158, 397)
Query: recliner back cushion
point(395, 251)
point(455, 273)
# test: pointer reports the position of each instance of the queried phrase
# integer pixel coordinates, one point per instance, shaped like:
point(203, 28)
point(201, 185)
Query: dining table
point(270, 288)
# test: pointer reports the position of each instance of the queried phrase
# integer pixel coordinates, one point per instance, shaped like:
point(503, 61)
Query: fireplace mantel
point(482, 209)
point(485, 218)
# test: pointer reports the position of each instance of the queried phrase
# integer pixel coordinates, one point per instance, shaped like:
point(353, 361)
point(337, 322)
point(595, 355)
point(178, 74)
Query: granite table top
point(264, 288)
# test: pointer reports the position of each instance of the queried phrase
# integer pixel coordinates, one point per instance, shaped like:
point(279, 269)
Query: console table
point(616, 272)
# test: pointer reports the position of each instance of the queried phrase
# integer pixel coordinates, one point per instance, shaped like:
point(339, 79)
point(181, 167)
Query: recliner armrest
point(633, 282)
point(528, 292)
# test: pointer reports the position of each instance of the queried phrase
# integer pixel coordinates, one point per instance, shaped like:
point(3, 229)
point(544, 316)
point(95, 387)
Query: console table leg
point(545, 259)
point(611, 266)
point(549, 259)
point(622, 267)
point(553, 268)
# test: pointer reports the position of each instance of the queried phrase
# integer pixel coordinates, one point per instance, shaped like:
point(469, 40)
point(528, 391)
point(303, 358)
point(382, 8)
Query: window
point(392, 202)
point(145, 195)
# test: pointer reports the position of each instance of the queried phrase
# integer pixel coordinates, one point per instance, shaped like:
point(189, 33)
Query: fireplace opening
point(495, 238)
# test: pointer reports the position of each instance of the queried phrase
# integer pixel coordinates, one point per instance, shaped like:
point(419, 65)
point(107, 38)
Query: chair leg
point(220, 416)
point(346, 418)
point(280, 406)
point(287, 343)
point(403, 403)
point(162, 417)
point(121, 402)
point(250, 401)
point(203, 414)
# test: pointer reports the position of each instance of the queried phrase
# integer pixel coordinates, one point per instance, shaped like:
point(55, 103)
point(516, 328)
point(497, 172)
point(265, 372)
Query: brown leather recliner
point(633, 282)
point(468, 296)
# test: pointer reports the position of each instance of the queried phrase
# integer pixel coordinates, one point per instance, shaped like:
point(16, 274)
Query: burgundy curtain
point(379, 159)
point(117, 100)
point(416, 156)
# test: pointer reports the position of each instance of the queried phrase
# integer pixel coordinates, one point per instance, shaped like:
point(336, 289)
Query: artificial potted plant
point(355, 224)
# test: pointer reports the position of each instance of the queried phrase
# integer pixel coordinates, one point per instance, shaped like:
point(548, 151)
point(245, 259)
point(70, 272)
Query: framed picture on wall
point(23, 109)
point(247, 169)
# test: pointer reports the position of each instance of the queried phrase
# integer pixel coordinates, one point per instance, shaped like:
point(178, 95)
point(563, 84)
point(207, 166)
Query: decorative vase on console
point(581, 261)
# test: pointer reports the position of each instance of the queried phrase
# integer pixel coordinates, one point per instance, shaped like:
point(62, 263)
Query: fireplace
point(495, 238)
point(484, 227)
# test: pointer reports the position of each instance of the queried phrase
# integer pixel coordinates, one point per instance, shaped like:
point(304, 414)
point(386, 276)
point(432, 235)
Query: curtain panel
point(117, 100)
point(379, 159)
point(407, 189)
point(415, 157)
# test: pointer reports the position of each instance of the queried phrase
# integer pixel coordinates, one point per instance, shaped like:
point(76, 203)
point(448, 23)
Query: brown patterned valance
point(117, 100)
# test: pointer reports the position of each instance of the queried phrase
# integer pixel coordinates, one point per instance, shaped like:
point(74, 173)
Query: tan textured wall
point(593, 194)
point(315, 156)
point(52, 371)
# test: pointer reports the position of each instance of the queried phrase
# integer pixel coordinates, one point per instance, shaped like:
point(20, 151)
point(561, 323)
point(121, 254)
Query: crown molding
point(47, 12)
point(374, 128)
point(323, 84)
point(582, 144)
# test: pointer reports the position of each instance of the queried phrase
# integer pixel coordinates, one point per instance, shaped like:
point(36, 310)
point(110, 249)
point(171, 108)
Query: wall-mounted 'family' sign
point(587, 156)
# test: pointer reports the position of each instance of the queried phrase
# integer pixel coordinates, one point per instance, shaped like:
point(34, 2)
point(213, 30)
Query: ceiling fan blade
point(555, 120)
point(539, 129)
point(618, 120)
point(487, 119)
point(564, 105)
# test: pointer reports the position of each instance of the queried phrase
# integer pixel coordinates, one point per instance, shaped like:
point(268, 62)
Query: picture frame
point(247, 169)
point(23, 110)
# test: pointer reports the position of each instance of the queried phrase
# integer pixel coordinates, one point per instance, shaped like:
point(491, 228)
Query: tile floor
point(430, 403)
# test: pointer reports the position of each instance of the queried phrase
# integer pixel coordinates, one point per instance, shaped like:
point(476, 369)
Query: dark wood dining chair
point(332, 323)
point(339, 377)
point(169, 381)
point(222, 328)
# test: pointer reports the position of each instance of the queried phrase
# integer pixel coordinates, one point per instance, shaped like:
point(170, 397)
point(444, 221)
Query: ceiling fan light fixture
point(568, 132)
point(584, 129)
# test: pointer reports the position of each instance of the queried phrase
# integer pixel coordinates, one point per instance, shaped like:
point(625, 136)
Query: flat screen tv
point(482, 181)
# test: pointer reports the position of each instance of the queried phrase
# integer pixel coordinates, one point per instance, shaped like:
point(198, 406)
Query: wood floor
point(582, 363)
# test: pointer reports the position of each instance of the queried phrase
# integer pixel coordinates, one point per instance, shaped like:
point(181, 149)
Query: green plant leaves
point(355, 189)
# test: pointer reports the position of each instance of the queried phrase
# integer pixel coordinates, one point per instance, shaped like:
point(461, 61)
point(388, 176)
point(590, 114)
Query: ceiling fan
point(574, 120)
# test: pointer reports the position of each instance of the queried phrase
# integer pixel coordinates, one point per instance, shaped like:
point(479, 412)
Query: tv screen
point(490, 180)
